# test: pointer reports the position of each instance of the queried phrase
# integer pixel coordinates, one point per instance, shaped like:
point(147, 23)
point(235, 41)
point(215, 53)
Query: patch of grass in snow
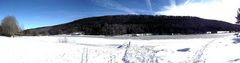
point(235, 60)
point(183, 50)
point(236, 40)
point(63, 40)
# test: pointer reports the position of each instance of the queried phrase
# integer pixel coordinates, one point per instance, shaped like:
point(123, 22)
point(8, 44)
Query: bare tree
point(0, 29)
point(238, 17)
point(10, 26)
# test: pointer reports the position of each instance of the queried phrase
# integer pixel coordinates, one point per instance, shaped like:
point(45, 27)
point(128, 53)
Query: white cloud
point(173, 4)
point(215, 9)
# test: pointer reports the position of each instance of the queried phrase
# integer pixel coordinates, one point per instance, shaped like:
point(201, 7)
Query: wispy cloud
point(215, 9)
point(187, 2)
point(149, 4)
point(114, 5)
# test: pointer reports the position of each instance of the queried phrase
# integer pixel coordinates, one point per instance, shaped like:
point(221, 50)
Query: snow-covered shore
point(89, 49)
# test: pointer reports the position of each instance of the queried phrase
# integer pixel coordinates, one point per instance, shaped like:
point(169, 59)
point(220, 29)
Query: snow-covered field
point(214, 48)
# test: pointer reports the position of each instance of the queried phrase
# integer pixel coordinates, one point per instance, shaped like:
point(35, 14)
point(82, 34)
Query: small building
point(222, 31)
point(77, 33)
point(208, 32)
point(213, 32)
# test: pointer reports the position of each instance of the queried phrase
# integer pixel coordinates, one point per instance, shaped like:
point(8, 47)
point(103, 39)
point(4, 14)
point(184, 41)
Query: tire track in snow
point(198, 57)
point(84, 53)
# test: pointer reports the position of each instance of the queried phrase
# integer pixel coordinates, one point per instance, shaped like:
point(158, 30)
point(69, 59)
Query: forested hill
point(133, 24)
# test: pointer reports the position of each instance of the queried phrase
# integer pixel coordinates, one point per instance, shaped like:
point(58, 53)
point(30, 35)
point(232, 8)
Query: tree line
point(137, 24)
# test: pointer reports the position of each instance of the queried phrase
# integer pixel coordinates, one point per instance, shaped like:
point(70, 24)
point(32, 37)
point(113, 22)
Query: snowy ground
point(216, 48)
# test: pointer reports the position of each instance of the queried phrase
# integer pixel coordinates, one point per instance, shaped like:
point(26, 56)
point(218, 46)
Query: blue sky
point(39, 13)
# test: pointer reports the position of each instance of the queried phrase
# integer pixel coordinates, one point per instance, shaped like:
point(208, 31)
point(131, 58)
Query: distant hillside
point(133, 24)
